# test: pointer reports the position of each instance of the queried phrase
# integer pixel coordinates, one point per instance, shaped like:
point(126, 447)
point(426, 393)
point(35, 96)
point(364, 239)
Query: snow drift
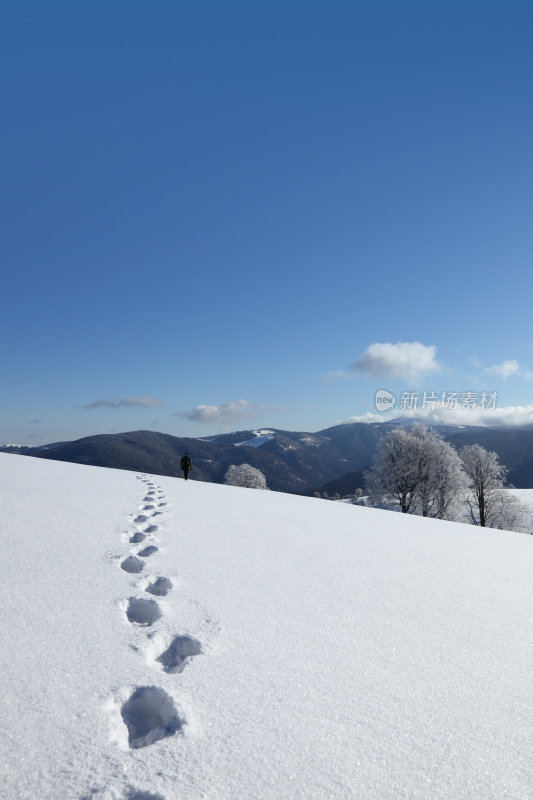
point(263, 646)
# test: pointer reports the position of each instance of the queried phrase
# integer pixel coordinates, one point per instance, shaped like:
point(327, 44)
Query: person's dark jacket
point(185, 463)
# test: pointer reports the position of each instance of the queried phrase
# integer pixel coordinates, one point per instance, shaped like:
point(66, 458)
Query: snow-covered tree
point(489, 504)
point(486, 478)
point(245, 475)
point(425, 475)
point(418, 469)
point(443, 484)
point(397, 469)
point(510, 514)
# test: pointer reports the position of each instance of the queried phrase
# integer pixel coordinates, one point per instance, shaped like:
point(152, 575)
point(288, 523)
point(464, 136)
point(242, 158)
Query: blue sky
point(230, 215)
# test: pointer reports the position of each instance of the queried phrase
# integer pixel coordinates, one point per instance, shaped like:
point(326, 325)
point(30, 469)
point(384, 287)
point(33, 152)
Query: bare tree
point(245, 475)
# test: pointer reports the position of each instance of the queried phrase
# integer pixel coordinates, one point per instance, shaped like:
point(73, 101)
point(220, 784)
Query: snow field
point(270, 647)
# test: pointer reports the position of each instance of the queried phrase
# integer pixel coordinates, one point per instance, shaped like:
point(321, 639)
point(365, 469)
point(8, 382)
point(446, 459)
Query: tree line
point(423, 474)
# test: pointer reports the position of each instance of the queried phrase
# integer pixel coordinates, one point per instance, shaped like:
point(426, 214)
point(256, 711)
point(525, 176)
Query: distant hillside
point(292, 462)
point(344, 486)
point(513, 445)
point(330, 460)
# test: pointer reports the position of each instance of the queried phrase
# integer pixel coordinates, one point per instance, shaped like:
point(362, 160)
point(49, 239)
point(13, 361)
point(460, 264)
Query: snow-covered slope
point(271, 646)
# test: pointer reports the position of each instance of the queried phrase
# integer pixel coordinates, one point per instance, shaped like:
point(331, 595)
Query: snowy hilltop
point(164, 640)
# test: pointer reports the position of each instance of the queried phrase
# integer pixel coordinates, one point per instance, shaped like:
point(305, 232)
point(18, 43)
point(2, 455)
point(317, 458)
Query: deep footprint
point(160, 587)
point(132, 564)
point(142, 612)
point(148, 508)
point(148, 551)
point(177, 656)
point(150, 529)
point(140, 518)
point(137, 537)
point(149, 716)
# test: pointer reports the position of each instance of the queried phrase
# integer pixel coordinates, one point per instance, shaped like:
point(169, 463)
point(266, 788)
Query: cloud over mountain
point(228, 413)
point(408, 360)
point(139, 402)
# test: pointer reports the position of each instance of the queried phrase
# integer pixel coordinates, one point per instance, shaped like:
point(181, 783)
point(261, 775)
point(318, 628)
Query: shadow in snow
point(177, 656)
point(141, 611)
point(149, 716)
point(148, 551)
point(132, 564)
point(160, 587)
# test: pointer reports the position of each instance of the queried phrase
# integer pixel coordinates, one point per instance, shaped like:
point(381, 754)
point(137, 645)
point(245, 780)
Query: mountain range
point(330, 460)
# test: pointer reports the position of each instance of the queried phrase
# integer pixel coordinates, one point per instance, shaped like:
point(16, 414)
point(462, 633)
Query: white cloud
point(408, 360)
point(223, 414)
point(336, 374)
point(139, 402)
point(226, 414)
point(507, 368)
point(510, 416)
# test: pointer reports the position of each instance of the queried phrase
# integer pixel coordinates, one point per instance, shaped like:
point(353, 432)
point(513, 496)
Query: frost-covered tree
point(245, 475)
point(489, 504)
point(443, 480)
point(486, 478)
point(418, 469)
point(510, 514)
point(397, 469)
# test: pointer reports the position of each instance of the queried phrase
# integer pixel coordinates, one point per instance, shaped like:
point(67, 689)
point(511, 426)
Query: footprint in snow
point(151, 529)
point(148, 551)
point(150, 715)
point(137, 537)
point(160, 587)
point(140, 518)
point(148, 508)
point(179, 653)
point(132, 564)
point(135, 794)
point(142, 612)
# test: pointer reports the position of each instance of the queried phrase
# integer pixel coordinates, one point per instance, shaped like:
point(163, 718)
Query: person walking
point(185, 465)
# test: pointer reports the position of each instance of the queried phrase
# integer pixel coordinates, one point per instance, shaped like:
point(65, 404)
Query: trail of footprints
point(149, 713)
